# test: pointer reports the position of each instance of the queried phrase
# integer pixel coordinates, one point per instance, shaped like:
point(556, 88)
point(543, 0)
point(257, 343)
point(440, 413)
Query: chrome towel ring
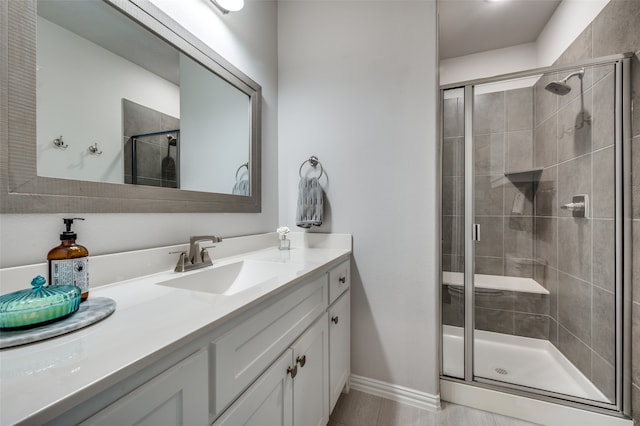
point(240, 168)
point(314, 162)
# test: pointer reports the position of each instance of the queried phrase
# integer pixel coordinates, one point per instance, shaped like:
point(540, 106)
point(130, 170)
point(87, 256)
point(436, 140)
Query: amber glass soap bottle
point(69, 262)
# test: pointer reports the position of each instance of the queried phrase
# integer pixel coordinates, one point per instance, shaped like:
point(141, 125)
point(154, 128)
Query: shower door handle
point(476, 232)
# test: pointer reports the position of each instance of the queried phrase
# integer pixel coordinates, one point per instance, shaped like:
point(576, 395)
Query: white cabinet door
point(310, 386)
point(339, 347)
point(178, 396)
point(269, 401)
point(241, 355)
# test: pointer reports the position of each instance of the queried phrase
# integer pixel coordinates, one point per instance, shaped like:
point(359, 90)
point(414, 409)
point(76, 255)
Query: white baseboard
point(396, 393)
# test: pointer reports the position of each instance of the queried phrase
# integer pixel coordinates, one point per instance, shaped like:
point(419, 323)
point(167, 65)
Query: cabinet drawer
point(339, 280)
point(241, 355)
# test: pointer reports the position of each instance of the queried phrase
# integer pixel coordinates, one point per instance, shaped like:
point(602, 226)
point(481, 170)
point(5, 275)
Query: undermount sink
point(228, 279)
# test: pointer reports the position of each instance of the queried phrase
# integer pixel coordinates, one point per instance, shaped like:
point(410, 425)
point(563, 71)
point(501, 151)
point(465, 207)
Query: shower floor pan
point(525, 361)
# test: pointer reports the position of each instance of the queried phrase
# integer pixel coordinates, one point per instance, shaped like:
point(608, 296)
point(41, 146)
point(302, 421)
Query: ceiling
point(472, 26)
point(465, 27)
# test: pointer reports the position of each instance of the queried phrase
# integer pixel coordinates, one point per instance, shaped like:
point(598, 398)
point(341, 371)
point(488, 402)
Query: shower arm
point(573, 74)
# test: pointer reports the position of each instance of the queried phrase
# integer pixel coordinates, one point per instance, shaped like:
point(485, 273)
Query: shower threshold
point(524, 361)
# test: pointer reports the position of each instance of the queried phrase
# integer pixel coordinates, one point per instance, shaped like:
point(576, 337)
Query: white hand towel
point(310, 203)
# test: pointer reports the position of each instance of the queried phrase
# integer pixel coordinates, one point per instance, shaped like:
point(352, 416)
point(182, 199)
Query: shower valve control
point(579, 207)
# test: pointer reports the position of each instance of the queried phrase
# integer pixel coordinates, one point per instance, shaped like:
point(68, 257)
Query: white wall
point(248, 40)
point(567, 22)
point(216, 122)
point(489, 63)
point(358, 89)
point(80, 87)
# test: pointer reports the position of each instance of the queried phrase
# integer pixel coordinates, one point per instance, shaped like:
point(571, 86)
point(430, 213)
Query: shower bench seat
point(496, 282)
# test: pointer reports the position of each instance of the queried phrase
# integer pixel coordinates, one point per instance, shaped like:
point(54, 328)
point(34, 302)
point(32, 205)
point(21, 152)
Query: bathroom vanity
point(271, 345)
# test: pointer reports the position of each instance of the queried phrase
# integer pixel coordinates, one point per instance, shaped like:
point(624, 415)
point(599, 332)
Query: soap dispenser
point(69, 262)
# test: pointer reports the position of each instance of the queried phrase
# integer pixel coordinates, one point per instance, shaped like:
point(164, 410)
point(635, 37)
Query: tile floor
point(361, 409)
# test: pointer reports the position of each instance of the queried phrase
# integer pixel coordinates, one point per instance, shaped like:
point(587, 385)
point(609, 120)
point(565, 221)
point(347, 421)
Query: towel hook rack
point(59, 143)
point(314, 162)
point(94, 150)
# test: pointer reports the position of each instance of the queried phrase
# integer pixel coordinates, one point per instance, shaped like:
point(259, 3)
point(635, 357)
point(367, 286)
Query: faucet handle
point(180, 265)
point(204, 254)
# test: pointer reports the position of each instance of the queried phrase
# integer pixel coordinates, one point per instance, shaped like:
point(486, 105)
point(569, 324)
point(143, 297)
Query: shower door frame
point(623, 258)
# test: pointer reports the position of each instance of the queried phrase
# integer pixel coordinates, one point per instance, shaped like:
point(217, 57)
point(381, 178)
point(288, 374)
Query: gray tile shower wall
point(503, 142)
point(570, 141)
point(508, 312)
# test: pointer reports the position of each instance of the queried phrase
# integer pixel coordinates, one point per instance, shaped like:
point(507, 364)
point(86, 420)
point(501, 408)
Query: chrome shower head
point(561, 87)
point(558, 88)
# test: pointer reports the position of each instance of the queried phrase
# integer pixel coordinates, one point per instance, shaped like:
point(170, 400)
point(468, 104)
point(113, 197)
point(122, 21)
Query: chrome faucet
point(198, 255)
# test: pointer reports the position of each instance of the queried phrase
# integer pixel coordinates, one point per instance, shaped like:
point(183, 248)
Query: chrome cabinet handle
point(302, 360)
point(342, 280)
point(334, 319)
point(293, 371)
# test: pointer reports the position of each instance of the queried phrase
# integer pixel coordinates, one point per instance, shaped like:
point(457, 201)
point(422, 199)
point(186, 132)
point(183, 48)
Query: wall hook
point(93, 149)
point(59, 143)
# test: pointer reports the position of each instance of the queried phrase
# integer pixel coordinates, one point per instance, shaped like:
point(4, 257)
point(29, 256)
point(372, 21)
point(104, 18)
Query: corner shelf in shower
point(525, 176)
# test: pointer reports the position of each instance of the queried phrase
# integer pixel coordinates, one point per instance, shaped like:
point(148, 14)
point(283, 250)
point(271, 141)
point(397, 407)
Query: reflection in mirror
point(159, 117)
point(151, 146)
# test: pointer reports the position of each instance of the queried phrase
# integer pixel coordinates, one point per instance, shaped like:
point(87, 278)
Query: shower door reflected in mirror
point(151, 146)
point(546, 284)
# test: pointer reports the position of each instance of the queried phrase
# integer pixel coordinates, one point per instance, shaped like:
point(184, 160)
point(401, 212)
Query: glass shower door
point(533, 233)
point(543, 195)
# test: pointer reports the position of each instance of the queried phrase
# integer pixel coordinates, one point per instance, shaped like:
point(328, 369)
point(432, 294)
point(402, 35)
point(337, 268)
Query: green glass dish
point(38, 305)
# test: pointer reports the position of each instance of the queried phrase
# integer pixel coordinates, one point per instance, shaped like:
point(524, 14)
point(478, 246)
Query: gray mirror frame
point(25, 192)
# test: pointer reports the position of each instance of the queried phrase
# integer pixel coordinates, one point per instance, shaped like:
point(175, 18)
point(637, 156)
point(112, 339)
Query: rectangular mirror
point(116, 108)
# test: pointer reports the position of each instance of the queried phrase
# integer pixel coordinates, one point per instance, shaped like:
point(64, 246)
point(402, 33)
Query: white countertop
point(44, 379)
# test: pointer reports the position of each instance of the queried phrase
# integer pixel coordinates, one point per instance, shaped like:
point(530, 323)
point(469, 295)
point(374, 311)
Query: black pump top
point(69, 234)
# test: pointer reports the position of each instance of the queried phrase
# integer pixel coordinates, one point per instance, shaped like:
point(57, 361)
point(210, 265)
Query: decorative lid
point(39, 304)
